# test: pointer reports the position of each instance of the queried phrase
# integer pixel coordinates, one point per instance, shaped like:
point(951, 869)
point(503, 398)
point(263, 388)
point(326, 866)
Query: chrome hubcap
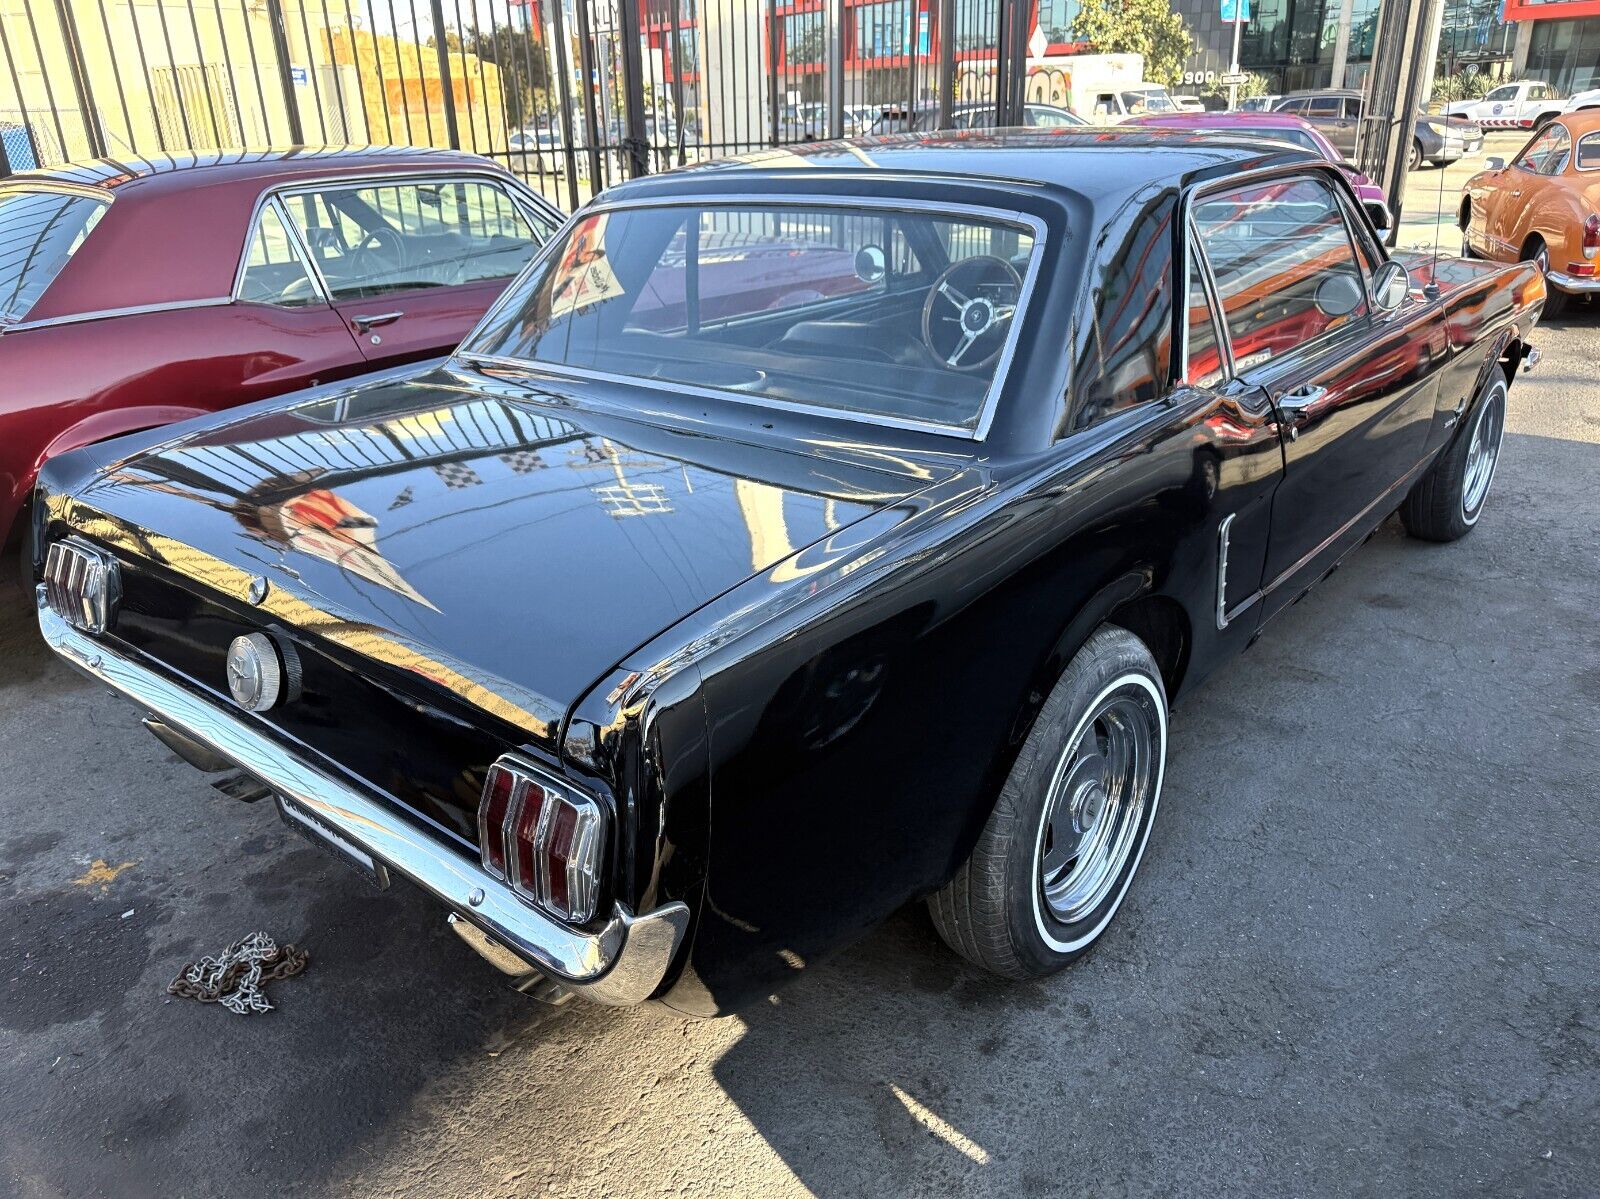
point(1097, 802)
point(1483, 452)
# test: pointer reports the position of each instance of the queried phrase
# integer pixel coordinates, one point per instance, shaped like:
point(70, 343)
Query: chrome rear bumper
point(1577, 284)
point(623, 963)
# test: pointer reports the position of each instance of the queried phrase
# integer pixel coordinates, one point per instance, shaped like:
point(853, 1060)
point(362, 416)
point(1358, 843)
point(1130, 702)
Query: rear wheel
point(1446, 502)
point(1414, 160)
point(1555, 300)
point(1064, 841)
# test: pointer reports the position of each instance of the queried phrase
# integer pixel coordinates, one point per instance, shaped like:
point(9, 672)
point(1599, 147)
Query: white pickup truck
point(1525, 104)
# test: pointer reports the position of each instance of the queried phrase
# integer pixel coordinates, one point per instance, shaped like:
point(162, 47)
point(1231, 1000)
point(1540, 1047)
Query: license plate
point(326, 838)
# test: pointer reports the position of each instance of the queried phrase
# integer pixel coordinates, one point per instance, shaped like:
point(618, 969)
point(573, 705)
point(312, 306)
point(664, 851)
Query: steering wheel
point(968, 311)
point(380, 251)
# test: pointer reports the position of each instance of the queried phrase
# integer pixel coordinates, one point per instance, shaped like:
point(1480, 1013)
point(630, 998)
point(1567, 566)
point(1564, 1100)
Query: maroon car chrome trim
point(77, 318)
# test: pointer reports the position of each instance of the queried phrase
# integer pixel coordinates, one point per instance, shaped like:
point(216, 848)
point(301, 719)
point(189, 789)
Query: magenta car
point(1280, 126)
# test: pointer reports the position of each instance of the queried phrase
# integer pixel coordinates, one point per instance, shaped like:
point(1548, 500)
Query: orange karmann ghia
point(1544, 207)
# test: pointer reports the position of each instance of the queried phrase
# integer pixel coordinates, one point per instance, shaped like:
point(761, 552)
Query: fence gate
point(572, 95)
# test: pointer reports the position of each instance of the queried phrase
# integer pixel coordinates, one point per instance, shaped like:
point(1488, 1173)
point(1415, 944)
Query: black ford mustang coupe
point(800, 536)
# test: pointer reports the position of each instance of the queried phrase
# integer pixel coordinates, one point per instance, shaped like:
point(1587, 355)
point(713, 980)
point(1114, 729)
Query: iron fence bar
point(446, 88)
point(586, 91)
point(116, 72)
point(205, 86)
point(377, 65)
point(422, 76)
point(80, 80)
point(177, 83)
point(772, 70)
point(338, 83)
point(280, 47)
point(144, 73)
point(49, 92)
point(835, 68)
point(5, 159)
point(255, 68)
point(16, 82)
point(946, 33)
point(679, 122)
point(483, 86)
point(227, 60)
point(635, 148)
point(311, 74)
point(361, 83)
point(564, 98)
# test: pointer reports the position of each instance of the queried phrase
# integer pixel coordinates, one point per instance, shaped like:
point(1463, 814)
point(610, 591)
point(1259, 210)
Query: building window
point(1566, 54)
point(977, 24)
point(1055, 20)
point(883, 29)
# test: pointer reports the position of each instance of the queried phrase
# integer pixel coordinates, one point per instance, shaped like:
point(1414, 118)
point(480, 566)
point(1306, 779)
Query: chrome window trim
point(344, 179)
point(76, 318)
point(296, 244)
point(1307, 170)
point(1194, 257)
point(986, 413)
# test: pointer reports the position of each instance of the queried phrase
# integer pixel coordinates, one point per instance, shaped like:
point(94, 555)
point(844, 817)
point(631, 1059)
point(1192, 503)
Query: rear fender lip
point(623, 961)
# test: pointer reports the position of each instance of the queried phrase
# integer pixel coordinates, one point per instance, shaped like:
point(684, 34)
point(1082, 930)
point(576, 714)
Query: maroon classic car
point(137, 293)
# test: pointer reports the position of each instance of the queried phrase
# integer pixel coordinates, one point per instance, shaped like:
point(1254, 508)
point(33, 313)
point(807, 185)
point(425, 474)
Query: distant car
point(136, 293)
point(924, 118)
point(1283, 127)
point(1542, 207)
point(1259, 103)
point(1583, 101)
point(1189, 103)
point(1337, 113)
point(1524, 104)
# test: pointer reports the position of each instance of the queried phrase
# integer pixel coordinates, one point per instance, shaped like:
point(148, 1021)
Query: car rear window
point(40, 229)
point(1589, 152)
point(903, 315)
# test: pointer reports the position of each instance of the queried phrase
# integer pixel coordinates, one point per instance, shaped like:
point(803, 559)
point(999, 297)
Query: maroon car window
point(897, 314)
point(392, 237)
point(274, 272)
point(40, 230)
point(1284, 265)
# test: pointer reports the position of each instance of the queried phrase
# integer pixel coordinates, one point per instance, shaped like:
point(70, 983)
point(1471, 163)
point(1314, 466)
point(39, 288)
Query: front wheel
point(1445, 503)
point(1414, 159)
point(1064, 841)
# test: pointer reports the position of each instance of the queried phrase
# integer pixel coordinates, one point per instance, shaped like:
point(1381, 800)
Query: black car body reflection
point(790, 651)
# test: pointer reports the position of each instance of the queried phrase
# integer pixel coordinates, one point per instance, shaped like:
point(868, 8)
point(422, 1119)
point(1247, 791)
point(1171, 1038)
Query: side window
point(274, 272)
point(1285, 268)
point(1560, 152)
point(40, 230)
point(1296, 107)
point(1324, 106)
point(1352, 108)
point(1126, 358)
point(369, 240)
point(1542, 149)
point(1589, 152)
point(1203, 364)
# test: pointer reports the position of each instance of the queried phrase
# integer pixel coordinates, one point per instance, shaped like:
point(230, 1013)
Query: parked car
point(1542, 207)
point(1259, 103)
point(1283, 127)
point(924, 118)
point(137, 293)
point(1188, 103)
point(1523, 104)
point(671, 654)
point(1584, 100)
point(1337, 113)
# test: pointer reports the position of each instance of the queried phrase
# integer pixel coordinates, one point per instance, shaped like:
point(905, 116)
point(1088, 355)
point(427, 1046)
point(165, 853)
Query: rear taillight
point(543, 837)
point(82, 584)
point(1591, 236)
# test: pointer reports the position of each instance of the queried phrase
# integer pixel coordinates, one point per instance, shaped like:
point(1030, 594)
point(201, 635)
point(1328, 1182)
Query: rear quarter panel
point(73, 384)
point(859, 738)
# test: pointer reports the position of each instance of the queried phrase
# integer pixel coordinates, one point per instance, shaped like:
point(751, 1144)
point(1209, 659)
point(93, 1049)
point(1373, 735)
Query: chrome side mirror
point(1494, 164)
point(871, 264)
point(1391, 284)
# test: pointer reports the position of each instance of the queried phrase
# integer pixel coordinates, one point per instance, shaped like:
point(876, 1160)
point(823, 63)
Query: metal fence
point(572, 95)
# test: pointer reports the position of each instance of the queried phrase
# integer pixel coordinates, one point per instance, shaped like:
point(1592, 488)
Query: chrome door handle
point(1293, 405)
point(365, 324)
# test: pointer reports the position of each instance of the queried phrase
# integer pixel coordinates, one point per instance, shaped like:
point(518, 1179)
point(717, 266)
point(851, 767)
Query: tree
point(524, 73)
point(1147, 27)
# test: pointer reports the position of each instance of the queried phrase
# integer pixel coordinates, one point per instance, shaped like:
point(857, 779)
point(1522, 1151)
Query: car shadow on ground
point(1342, 967)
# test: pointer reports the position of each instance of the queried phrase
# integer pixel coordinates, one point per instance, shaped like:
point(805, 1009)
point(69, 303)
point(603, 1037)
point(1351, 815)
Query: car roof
point(216, 166)
point(177, 223)
point(1051, 173)
point(1346, 92)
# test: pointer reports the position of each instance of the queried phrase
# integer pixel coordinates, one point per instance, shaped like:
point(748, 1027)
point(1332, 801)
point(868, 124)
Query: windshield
point(1153, 100)
point(1280, 133)
point(882, 313)
point(39, 231)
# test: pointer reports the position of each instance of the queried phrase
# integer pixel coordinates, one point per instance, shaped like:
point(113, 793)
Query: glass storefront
point(1566, 54)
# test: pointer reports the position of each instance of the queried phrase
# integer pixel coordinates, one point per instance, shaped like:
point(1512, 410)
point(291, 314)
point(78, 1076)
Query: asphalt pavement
point(1362, 956)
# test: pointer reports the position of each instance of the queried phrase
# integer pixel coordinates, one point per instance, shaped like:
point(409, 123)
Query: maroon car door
point(410, 265)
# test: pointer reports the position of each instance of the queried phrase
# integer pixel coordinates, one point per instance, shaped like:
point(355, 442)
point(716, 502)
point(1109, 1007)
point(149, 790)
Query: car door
point(1519, 185)
point(1353, 387)
point(410, 265)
